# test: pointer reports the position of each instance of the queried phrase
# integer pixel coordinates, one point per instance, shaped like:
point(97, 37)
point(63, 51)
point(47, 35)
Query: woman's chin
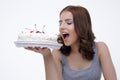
point(66, 44)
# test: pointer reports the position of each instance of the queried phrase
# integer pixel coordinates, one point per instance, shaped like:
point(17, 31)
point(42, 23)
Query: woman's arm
point(50, 68)
point(57, 58)
point(106, 62)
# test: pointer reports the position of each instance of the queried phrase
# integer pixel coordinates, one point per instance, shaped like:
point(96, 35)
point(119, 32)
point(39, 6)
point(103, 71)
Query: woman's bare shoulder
point(101, 45)
point(102, 48)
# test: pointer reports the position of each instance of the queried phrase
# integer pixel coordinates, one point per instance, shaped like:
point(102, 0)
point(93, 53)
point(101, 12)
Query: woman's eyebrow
point(68, 19)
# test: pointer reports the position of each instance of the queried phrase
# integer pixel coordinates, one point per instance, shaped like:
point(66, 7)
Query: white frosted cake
point(37, 38)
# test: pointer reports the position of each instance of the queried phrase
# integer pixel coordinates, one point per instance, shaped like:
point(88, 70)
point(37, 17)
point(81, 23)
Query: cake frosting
point(36, 35)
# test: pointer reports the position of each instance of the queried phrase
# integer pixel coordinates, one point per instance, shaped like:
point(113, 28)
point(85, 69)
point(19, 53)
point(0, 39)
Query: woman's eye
point(69, 23)
point(60, 23)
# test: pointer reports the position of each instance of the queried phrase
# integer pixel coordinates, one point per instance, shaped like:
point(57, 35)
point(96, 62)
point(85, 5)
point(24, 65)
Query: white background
point(20, 64)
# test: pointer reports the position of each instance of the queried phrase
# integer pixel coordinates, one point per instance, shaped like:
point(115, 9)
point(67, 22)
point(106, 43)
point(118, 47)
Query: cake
point(36, 35)
point(36, 38)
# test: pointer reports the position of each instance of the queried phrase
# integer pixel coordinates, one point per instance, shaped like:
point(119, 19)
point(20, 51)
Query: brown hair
point(83, 28)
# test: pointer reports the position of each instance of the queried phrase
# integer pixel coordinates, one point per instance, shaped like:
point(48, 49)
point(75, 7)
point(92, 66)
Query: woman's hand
point(44, 51)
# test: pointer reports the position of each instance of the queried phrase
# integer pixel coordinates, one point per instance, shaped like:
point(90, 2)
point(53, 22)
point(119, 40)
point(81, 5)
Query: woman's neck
point(75, 48)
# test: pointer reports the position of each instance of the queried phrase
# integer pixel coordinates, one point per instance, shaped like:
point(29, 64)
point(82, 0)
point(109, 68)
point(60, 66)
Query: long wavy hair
point(83, 28)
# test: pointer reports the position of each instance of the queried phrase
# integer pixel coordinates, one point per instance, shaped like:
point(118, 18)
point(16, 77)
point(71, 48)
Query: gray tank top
point(93, 72)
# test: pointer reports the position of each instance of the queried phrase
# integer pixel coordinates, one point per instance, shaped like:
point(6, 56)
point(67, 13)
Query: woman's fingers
point(35, 49)
point(43, 50)
point(29, 48)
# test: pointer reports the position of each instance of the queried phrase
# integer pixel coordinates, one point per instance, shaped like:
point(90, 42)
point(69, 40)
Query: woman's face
point(67, 30)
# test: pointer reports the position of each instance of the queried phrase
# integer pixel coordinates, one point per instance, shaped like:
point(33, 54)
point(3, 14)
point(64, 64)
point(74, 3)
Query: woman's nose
point(62, 25)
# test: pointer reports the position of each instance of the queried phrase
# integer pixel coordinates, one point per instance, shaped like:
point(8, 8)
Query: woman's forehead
point(66, 15)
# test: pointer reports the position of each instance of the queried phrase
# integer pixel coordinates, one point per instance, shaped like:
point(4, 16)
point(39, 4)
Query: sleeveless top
point(93, 72)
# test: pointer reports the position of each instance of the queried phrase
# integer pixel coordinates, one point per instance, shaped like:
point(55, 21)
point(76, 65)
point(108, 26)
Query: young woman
point(80, 57)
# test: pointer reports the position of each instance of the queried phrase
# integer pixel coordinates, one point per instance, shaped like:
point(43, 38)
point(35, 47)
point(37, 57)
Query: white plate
point(53, 45)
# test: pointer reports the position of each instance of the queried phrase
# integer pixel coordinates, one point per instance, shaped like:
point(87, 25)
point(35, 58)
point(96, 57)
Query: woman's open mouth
point(65, 36)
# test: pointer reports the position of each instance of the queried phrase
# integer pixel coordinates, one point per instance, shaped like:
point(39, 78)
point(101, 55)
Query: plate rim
point(37, 44)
